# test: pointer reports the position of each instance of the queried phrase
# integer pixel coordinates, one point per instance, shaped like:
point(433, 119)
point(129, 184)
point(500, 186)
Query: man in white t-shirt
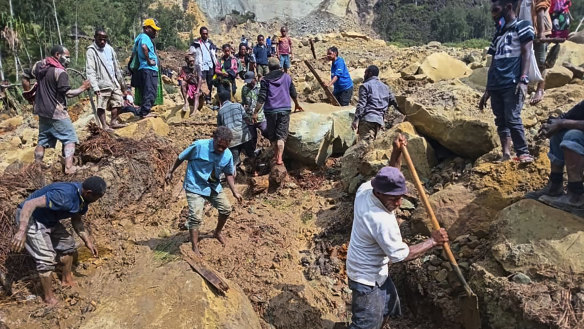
point(376, 242)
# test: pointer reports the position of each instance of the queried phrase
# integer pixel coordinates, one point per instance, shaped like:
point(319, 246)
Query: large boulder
point(558, 76)
point(441, 66)
point(465, 135)
point(176, 297)
point(142, 128)
point(534, 238)
point(478, 78)
point(363, 161)
point(577, 37)
point(572, 53)
point(458, 209)
point(318, 132)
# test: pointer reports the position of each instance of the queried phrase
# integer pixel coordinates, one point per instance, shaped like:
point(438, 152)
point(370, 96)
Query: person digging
point(207, 160)
point(40, 229)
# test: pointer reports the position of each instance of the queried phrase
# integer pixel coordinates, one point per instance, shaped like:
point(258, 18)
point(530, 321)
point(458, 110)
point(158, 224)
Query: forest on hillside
point(419, 21)
point(30, 27)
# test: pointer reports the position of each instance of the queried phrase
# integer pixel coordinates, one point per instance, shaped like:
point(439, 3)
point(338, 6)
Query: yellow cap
point(150, 22)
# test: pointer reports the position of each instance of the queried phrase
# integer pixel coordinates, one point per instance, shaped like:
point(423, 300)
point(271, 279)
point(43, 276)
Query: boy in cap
point(376, 241)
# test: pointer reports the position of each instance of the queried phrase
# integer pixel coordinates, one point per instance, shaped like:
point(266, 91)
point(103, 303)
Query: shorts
point(344, 96)
point(572, 140)
point(262, 70)
point(285, 61)
point(368, 130)
point(43, 243)
point(277, 125)
point(110, 99)
point(51, 131)
point(371, 305)
point(196, 204)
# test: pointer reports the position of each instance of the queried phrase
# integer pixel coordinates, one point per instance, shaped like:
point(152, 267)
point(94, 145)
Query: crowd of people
point(265, 108)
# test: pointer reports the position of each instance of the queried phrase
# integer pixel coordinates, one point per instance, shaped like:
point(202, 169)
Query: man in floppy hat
point(376, 242)
point(146, 79)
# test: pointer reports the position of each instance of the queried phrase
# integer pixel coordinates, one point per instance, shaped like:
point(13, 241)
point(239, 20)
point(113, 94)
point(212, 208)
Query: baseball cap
point(248, 77)
point(389, 181)
point(152, 23)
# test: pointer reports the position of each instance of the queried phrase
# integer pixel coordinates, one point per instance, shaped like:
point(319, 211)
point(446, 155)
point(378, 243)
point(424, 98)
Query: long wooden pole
point(327, 91)
point(435, 224)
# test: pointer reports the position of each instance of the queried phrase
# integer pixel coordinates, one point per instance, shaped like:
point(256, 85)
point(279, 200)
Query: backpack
point(560, 14)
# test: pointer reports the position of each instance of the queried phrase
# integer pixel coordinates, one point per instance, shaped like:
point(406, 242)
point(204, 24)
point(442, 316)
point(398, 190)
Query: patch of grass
point(306, 216)
point(470, 44)
point(167, 250)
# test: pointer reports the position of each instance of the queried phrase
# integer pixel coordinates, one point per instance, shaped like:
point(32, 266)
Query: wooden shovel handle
point(426, 201)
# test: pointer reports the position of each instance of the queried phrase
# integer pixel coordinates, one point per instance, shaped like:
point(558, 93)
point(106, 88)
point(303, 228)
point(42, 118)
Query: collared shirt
point(374, 99)
point(231, 115)
point(261, 53)
point(204, 167)
point(339, 70)
point(206, 48)
point(107, 55)
point(375, 240)
point(63, 201)
point(144, 39)
point(249, 99)
point(505, 69)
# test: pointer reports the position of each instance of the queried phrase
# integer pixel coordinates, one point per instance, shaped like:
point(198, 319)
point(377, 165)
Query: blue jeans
point(507, 104)
point(371, 305)
point(572, 140)
point(285, 61)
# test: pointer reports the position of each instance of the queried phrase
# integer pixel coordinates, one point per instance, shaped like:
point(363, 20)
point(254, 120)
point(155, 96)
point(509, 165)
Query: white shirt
point(205, 56)
point(375, 240)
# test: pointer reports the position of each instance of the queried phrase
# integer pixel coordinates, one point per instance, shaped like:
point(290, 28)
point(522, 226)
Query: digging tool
point(469, 304)
point(97, 121)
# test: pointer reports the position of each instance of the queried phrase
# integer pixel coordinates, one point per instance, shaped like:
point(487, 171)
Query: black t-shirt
point(576, 113)
point(53, 84)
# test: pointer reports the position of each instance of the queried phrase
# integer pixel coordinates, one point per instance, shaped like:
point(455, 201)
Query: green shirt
point(249, 100)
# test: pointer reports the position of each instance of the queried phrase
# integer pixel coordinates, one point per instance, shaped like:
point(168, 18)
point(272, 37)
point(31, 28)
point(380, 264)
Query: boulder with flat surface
point(532, 237)
point(142, 128)
point(558, 76)
point(570, 52)
point(441, 66)
point(363, 160)
point(320, 131)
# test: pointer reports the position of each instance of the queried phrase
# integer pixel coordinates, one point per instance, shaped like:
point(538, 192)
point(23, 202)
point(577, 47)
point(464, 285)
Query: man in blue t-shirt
point(507, 78)
point(207, 160)
point(40, 229)
point(340, 77)
point(146, 79)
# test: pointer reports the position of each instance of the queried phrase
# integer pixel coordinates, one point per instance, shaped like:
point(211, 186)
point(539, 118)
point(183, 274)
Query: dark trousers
point(371, 305)
point(222, 86)
point(149, 87)
point(507, 104)
point(344, 96)
point(208, 77)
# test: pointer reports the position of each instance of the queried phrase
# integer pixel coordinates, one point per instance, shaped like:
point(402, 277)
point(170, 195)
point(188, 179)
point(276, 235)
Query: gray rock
point(521, 278)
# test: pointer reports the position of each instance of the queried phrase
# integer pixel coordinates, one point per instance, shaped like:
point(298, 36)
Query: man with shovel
point(376, 241)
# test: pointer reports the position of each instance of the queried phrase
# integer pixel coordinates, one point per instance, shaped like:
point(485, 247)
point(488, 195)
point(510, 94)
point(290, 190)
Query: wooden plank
point(326, 89)
point(200, 267)
point(312, 48)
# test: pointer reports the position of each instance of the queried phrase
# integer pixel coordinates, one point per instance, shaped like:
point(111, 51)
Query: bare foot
point(219, 238)
point(538, 97)
point(67, 281)
point(71, 170)
point(51, 301)
point(117, 125)
point(150, 115)
point(197, 252)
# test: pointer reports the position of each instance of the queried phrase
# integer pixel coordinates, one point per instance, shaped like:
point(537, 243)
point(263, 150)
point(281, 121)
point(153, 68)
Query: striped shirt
point(231, 115)
point(505, 69)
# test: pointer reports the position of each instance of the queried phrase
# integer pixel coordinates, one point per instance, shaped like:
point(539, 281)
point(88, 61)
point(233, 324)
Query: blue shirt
point(505, 69)
point(204, 167)
point(339, 69)
point(261, 54)
point(144, 39)
point(63, 201)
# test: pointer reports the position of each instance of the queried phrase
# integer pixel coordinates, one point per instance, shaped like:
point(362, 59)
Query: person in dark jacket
point(276, 89)
point(261, 52)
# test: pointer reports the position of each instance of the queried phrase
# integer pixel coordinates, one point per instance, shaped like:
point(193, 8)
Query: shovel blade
point(471, 318)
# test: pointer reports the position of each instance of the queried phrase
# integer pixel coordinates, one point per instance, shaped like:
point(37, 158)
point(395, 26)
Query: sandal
point(525, 158)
